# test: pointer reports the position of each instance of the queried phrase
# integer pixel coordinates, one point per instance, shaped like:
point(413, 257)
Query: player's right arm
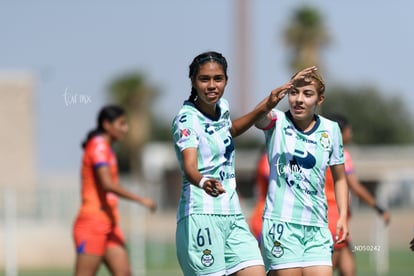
point(212, 186)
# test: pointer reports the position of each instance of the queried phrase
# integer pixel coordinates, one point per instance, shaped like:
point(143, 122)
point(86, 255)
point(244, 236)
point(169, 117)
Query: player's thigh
point(335, 258)
point(320, 270)
point(87, 265)
point(116, 256)
point(116, 259)
point(200, 245)
point(346, 262)
point(286, 272)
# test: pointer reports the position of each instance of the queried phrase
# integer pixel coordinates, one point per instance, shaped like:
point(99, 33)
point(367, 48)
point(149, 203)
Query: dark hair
point(340, 119)
point(200, 60)
point(107, 113)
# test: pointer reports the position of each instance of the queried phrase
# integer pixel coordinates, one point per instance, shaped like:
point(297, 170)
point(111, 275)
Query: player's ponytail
point(193, 95)
point(107, 113)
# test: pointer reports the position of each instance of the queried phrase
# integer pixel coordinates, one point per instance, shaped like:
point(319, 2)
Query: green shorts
point(289, 245)
point(215, 245)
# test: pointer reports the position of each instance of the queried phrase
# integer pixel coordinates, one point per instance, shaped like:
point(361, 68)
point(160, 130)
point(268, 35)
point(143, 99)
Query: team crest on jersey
point(207, 259)
point(277, 249)
point(325, 140)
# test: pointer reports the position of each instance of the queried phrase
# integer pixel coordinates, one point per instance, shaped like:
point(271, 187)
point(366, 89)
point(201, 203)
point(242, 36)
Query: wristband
point(202, 182)
point(379, 209)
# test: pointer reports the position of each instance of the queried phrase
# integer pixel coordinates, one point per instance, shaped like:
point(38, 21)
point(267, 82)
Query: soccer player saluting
point(300, 146)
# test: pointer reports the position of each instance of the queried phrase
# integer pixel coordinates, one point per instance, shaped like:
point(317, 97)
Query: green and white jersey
point(298, 162)
point(215, 148)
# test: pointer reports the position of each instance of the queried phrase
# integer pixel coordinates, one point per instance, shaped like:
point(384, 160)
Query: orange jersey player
point(97, 202)
point(342, 258)
point(96, 231)
point(262, 179)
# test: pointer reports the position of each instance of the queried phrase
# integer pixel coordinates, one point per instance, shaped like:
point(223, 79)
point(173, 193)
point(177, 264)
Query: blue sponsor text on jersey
point(226, 175)
point(211, 128)
point(306, 190)
point(289, 130)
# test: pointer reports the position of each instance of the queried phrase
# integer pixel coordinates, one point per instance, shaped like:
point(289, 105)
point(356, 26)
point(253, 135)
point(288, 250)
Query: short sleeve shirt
point(95, 200)
point(215, 159)
point(298, 162)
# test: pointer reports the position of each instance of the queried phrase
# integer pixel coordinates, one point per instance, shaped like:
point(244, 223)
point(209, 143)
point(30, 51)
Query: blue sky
point(76, 49)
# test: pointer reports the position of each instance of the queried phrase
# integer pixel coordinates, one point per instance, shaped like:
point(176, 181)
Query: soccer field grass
point(161, 260)
point(400, 263)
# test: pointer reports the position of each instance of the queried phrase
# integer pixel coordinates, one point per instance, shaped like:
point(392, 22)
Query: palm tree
point(306, 35)
point(134, 94)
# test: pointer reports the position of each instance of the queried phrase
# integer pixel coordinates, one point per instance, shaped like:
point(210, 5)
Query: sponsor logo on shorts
point(277, 250)
point(207, 259)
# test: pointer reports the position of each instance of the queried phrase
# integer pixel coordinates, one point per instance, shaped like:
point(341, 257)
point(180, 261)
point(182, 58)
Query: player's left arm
point(341, 194)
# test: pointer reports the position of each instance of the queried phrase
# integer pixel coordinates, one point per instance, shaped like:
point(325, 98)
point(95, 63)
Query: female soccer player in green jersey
point(300, 146)
point(212, 236)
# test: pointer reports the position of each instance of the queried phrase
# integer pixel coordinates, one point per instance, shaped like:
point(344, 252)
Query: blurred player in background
point(96, 231)
point(342, 258)
point(260, 191)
